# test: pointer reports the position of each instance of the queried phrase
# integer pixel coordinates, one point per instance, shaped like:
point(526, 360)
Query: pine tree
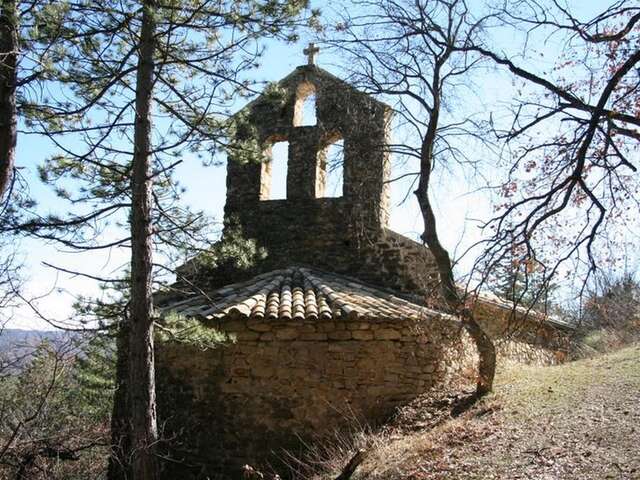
point(25, 61)
point(8, 83)
point(167, 71)
point(520, 279)
point(94, 375)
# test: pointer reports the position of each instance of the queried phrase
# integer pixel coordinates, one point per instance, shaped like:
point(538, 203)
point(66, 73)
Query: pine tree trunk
point(8, 76)
point(142, 400)
point(120, 458)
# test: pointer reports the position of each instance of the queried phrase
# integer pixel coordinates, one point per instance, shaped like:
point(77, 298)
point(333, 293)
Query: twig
point(353, 464)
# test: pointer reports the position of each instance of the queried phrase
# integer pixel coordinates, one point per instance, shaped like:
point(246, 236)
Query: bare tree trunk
point(120, 459)
point(142, 395)
point(486, 349)
point(8, 76)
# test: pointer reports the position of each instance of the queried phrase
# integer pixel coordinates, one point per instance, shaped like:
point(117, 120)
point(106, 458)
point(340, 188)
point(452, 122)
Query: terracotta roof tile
point(298, 293)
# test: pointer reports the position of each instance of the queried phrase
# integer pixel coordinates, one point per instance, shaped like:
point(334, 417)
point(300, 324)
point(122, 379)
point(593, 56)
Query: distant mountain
point(15, 343)
point(10, 337)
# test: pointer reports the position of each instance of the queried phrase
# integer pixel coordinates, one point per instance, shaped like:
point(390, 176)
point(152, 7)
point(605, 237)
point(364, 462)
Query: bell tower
point(308, 218)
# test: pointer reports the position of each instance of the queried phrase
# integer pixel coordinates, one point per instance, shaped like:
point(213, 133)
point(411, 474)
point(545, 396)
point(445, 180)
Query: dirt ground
point(580, 420)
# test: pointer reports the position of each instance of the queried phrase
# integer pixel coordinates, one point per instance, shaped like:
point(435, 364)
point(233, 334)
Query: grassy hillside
point(580, 420)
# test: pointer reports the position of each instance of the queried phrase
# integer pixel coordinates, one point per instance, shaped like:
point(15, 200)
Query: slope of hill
point(16, 346)
point(9, 338)
point(580, 420)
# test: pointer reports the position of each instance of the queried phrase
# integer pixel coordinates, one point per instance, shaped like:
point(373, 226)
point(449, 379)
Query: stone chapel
point(331, 326)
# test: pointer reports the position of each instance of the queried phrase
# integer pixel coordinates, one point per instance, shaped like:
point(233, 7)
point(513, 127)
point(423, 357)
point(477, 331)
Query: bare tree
point(570, 138)
point(568, 141)
point(17, 44)
point(407, 51)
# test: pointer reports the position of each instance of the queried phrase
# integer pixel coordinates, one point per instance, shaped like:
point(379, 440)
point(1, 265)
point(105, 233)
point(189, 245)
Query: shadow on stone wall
point(283, 385)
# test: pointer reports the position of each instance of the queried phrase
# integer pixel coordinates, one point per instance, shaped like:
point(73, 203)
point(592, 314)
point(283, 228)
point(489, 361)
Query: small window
point(274, 172)
point(309, 111)
point(304, 114)
point(330, 170)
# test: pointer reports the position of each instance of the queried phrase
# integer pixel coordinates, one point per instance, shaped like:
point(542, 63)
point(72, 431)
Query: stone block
point(362, 335)
point(314, 336)
point(258, 326)
point(240, 372)
point(358, 326)
point(248, 336)
point(307, 328)
point(326, 326)
point(263, 371)
point(340, 335)
point(429, 368)
point(287, 333)
point(387, 334)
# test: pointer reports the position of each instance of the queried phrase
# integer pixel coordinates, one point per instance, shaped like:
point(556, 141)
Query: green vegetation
point(180, 329)
point(54, 413)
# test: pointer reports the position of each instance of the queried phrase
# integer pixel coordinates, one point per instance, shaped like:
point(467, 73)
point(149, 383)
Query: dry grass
point(580, 420)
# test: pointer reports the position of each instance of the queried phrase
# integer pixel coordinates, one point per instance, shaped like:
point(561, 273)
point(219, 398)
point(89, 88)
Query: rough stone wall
point(342, 113)
point(520, 338)
point(516, 351)
point(283, 383)
point(384, 257)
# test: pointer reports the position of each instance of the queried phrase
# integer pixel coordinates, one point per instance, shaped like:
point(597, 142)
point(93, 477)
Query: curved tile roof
point(298, 293)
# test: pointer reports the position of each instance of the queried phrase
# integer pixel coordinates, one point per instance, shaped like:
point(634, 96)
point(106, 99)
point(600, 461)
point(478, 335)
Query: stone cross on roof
point(311, 52)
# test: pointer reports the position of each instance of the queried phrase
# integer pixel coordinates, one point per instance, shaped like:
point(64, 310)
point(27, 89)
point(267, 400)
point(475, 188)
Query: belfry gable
point(340, 114)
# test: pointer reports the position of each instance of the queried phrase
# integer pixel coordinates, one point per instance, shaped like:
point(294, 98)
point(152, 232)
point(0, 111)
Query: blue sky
point(457, 208)
point(205, 190)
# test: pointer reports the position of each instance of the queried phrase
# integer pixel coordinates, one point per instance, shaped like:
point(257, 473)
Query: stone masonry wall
point(283, 383)
point(384, 257)
point(528, 339)
point(511, 351)
point(342, 113)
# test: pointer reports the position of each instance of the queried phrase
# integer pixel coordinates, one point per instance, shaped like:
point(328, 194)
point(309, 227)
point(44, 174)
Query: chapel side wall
point(283, 382)
point(404, 264)
point(523, 340)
